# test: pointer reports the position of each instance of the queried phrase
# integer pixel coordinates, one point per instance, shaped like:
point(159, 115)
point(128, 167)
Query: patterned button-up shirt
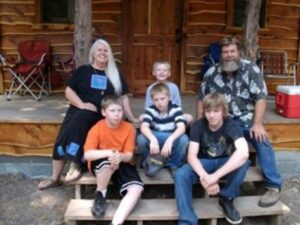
point(242, 89)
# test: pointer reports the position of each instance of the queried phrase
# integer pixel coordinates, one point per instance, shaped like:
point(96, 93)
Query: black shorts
point(123, 177)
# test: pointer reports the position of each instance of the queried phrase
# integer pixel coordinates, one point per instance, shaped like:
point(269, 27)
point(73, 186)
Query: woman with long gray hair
point(86, 88)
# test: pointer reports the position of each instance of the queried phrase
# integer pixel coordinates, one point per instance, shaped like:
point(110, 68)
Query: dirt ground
point(21, 203)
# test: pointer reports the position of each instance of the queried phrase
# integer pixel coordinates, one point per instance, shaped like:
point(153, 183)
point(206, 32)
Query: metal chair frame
point(274, 65)
point(23, 82)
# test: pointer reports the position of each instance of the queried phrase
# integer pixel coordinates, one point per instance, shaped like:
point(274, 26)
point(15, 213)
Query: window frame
point(52, 25)
point(230, 16)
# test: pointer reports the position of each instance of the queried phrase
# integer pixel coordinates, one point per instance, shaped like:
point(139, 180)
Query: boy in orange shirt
point(109, 148)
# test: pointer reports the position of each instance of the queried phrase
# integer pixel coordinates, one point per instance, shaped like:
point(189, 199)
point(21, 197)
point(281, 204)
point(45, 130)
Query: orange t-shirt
point(101, 136)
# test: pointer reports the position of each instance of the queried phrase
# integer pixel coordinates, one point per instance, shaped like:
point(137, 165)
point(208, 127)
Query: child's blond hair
point(215, 100)
point(161, 62)
point(158, 88)
point(110, 99)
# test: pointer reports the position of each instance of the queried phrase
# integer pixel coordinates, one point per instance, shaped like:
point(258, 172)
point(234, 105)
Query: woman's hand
point(88, 106)
point(136, 120)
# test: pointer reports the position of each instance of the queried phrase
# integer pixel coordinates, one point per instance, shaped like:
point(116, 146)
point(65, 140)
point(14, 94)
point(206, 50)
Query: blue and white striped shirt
point(164, 122)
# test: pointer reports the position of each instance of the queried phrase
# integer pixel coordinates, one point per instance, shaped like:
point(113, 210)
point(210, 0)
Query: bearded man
point(242, 83)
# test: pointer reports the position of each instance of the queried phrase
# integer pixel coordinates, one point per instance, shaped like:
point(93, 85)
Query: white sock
point(104, 192)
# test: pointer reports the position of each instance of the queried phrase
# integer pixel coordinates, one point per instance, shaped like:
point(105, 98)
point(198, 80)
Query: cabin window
point(57, 11)
point(238, 13)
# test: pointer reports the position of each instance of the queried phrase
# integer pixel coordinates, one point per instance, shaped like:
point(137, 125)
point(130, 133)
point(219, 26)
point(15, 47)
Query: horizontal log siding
point(206, 23)
point(18, 22)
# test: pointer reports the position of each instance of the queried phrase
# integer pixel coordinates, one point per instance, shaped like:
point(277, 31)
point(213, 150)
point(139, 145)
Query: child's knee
point(134, 188)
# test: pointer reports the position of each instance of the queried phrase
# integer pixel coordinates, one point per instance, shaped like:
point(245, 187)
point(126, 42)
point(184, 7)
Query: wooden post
point(82, 30)
point(1, 81)
point(250, 35)
point(298, 58)
point(1, 70)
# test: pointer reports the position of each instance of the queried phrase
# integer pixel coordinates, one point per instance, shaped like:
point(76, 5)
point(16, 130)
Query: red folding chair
point(32, 71)
point(68, 66)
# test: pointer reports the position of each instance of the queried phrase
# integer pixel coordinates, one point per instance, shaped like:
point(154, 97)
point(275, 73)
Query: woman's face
point(101, 54)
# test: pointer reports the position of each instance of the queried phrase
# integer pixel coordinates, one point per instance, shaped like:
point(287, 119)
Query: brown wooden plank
point(150, 34)
point(164, 177)
point(166, 209)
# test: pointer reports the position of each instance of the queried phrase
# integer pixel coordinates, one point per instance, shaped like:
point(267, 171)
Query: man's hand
point(258, 132)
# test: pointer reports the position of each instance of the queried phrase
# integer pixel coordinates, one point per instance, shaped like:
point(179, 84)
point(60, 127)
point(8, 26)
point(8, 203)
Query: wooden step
point(166, 209)
point(162, 178)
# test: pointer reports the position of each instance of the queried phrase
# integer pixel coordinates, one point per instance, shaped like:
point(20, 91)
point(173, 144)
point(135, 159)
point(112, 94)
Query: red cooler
point(288, 101)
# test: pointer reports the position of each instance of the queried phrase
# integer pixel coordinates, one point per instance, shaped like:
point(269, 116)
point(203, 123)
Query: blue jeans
point(266, 158)
point(178, 153)
point(185, 178)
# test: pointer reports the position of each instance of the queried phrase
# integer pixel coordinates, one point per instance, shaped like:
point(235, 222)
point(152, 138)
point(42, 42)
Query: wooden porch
point(142, 31)
point(28, 127)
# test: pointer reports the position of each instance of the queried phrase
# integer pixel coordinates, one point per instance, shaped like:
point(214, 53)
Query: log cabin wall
point(19, 22)
point(206, 22)
point(107, 23)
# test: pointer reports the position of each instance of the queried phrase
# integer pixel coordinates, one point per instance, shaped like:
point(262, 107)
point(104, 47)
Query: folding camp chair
point(68, 66)
point(274, 65)
point(32, 71)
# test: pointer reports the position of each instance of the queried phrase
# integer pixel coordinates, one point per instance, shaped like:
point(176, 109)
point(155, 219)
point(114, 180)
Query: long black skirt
point(71, 138)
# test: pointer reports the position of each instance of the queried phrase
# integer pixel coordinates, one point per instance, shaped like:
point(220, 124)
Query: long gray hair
point(111, 69)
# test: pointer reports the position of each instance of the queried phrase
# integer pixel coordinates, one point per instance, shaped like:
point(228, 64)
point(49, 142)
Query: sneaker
point(153, 164)
point(270, 197)
point(231, 214)
point(74, 173)
point(99, 205)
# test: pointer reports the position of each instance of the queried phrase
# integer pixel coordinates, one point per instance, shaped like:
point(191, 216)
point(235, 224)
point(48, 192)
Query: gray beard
point(230, 66)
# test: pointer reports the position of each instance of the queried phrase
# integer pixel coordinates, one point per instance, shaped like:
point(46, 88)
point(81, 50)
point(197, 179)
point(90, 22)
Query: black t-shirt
point(91, 85)
point(215, 144)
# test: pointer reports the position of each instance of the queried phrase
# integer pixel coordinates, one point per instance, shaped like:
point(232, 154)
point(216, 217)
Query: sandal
point(74, 173)
point(49, 183)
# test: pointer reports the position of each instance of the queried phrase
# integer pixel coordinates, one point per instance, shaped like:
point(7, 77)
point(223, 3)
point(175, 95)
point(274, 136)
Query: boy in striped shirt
point(162, 141)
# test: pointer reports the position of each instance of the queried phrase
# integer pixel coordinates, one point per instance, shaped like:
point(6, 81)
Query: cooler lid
point(289, 89)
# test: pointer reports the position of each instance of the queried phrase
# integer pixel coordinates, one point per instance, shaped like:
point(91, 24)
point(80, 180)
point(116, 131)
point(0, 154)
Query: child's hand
point(209, 180)
point(213, 189)
point(167, 148)
point(114, 158)
point(154, 147)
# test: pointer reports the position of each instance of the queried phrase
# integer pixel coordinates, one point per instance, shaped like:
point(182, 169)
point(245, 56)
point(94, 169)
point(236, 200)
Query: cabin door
point(151, 31)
